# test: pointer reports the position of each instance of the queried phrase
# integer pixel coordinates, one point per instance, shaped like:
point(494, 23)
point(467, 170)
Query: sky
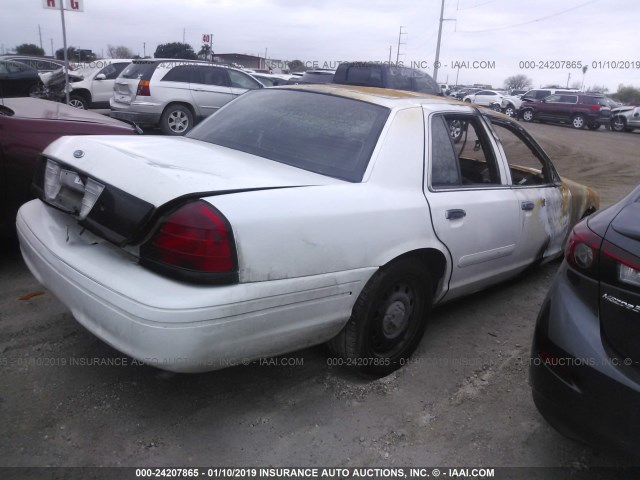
point(483, 41)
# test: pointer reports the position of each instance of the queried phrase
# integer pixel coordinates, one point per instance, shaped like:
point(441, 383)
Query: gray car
point(625, 119)
point(175, 94)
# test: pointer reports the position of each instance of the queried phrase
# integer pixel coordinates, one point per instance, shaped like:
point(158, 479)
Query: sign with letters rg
point(72, 5)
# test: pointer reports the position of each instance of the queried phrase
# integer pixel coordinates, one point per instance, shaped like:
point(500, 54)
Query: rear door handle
point(527, 206)
point(455, 214)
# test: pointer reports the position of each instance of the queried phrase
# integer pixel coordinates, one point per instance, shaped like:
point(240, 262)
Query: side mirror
point(100, 76)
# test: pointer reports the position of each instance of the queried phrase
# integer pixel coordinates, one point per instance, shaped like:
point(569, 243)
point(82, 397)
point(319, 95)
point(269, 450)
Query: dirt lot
point(463, 401)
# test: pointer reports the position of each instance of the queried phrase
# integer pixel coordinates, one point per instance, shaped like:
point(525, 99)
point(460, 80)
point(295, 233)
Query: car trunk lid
point(620, 285)
point(142, 177)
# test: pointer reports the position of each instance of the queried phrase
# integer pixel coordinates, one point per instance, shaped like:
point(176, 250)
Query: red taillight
point(196, 238)
point(596, 107)
point(582, 248)
point(143, 88)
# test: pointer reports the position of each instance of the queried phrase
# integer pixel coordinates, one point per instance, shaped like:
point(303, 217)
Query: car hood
point(36, 108)
point(160, 169)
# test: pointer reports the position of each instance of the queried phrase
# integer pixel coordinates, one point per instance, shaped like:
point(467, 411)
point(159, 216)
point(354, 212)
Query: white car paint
point(305, 249)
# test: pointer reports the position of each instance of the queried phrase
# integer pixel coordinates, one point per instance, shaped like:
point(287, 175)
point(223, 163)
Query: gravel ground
point(462, 401)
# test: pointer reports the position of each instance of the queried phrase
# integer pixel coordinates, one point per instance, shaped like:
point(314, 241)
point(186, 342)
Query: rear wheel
point(527, 115)
point(578, 121)
point(387, 321)
point(456, 129)
point(176, 120)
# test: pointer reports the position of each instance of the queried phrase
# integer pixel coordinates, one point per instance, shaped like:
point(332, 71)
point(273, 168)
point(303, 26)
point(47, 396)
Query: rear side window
point(208, 76)
point(398, 79)
point(595, 101)
point(472, 163)
point(445, 168)
point(181, 73)
point(138, 70)
point(568, 99)
point(325, 134)
point(366, 75)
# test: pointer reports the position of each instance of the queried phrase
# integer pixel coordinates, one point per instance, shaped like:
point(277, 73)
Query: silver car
point(175, 94)
point(625, 119)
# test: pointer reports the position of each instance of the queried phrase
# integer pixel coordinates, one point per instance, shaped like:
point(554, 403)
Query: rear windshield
point(138, 70)
point(320, 133)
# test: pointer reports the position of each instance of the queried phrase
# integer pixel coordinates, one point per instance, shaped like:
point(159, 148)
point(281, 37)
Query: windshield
point(321, 133)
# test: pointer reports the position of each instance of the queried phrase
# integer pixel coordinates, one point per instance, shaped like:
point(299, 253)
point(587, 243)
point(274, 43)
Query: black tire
point(593, 126)
point(456, 130)
point(578, 122)
point(511, 111)
point(496, 108)
point(78, 102)
point(618, 124)
point(527, 115)
point(176, 120)
point(387, 321)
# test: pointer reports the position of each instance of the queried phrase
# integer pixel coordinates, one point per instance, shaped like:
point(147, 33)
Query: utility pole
point(184, 32)
point(400, 43)
point(40, 33)
point(390, 47)
point(265, 58)
point(568, 78)
point(436, 64)
point(52, 54)
point(144, 49)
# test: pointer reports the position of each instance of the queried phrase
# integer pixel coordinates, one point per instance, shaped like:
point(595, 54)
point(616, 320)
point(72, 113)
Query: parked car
point(41, 64)
point(96, 88)
point(369, 74)
point(484, 97)
point(175, 94)
point(625, 119)
point(461, 93)
point(17, 79)
point(286, 220)
point(27, 126)
point(271, 79)
point(585, 368)
point(313, 76)
point(512, 104)
point(578, 109)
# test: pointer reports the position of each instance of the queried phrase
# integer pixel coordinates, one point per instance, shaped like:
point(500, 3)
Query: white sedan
point(293, 216)
point(484, 97)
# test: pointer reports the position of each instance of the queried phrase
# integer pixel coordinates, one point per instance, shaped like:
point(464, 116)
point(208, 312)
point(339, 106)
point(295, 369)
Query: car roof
point(385, 97)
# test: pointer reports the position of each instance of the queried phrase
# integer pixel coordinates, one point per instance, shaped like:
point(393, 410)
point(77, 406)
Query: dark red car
point(27, 126)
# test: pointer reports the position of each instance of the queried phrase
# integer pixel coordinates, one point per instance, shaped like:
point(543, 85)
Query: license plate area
point(70, 191)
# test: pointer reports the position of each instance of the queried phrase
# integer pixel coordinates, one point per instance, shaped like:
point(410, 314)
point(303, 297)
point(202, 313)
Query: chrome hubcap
point(178, 122)
point(395, 320)
point(76, 104)
point(578, 122)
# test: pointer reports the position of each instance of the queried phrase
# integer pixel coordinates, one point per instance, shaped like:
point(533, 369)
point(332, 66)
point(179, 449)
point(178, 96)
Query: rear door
point(473, 210)
point(210, 89)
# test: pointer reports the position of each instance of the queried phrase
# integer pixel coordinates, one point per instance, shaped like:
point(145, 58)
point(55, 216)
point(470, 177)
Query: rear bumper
point(136, 117)
point(581, 390)
point(172, 325)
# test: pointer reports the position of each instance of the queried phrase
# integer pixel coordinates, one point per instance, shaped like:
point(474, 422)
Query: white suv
point(175, 94)
point(96, 88)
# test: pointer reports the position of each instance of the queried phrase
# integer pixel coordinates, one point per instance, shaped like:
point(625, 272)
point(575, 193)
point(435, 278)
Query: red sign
point(72, 5)
point(206, 38)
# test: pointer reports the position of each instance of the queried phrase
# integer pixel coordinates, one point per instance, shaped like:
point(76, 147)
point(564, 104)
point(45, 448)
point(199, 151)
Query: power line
point(530, 21)
point(475, 6)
